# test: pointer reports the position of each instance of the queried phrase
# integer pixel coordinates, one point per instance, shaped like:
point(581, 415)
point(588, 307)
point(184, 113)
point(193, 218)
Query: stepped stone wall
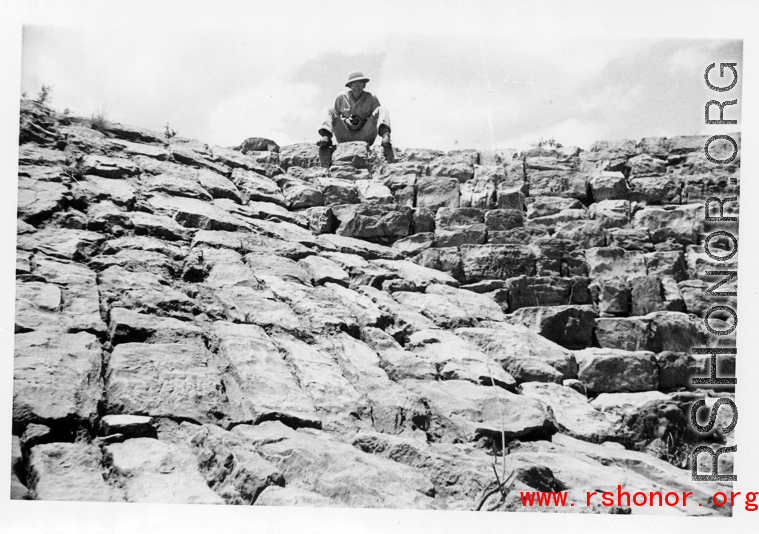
point(201, 324)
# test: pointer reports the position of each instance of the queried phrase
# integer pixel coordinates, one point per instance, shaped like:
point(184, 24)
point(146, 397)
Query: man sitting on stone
point(356, 116)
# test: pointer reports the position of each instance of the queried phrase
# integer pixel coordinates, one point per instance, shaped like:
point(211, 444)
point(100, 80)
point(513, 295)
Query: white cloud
point(264, 111)
point(691, 58)
point(571, 132)
point(579, 60)
point(616, 99)
point(436, 115)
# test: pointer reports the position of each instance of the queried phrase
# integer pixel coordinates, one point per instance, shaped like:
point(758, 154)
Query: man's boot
point(384, 132)
point(326, 140)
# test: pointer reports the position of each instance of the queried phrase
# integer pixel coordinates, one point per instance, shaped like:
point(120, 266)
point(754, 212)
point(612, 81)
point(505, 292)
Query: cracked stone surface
point(198, 324)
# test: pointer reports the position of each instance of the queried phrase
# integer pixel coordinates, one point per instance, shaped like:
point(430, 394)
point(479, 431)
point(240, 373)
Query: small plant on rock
point(501, 484)
point(44, 95)
point(74, 171)
point(98, 120)
point(169, 132)
point(671, 450)
point(547, 143)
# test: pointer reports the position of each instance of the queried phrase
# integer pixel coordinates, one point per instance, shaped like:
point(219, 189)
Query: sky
point(442, 90)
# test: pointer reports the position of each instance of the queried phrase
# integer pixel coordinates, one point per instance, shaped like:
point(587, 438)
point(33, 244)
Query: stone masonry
point(199, 324)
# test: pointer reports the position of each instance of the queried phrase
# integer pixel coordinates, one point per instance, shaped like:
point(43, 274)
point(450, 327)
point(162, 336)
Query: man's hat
point(356, 76)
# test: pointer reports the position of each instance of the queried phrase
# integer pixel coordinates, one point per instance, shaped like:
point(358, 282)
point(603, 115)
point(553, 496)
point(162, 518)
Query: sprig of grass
point(98, 120)
point(169, 132)
point(44, 95)
point(547, 143)
point(497, 485)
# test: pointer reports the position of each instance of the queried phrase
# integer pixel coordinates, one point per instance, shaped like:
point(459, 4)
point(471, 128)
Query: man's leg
point(333, 125)
point(383, 128)
point(330, 119)
point(367, 133)
point(383, 117)
point(341, 131)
